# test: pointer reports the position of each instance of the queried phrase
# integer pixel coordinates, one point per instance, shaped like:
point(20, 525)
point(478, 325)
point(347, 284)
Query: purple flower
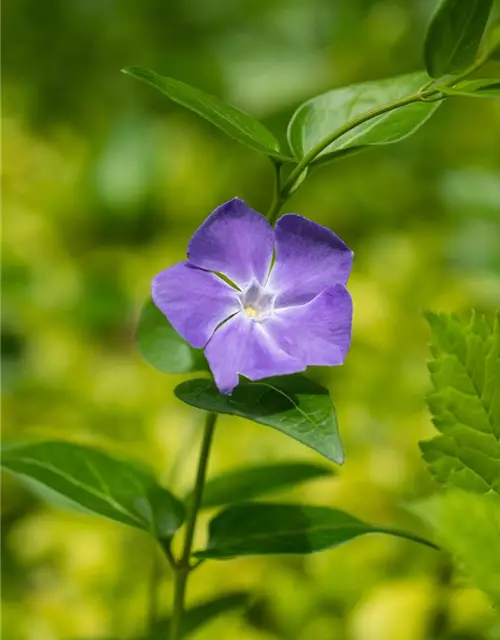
point(286, 307)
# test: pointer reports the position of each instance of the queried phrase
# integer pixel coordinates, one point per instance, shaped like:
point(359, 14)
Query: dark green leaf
point(236, 123)
point(243, 484)
point(316, 119)
point(294, 405)
point(454, 35)
point(111, 487)
point(468, 525)
point(465, 404)
point(262, 528)
point(201, 614)
point(160, 344)
point(485, 88)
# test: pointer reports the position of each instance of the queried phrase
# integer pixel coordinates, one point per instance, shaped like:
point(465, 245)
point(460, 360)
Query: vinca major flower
point(262, 302)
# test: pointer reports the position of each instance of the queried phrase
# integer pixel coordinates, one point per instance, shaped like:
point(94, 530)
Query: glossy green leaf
point(103, 484)
point(316, 119)
point(234, 122)
point(243, 484)
point(465, 403)
point(263, 528)
point(201, 614)
point(160, 344)
point(294, 405)
point(484, 88)
point(454, 35)
point(468, 525)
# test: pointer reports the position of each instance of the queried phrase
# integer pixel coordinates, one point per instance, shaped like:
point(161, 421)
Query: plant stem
point(183, 567)
point(153, 591)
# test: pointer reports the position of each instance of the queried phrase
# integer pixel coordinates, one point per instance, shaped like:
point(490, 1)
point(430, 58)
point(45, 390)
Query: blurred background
point(104, 182)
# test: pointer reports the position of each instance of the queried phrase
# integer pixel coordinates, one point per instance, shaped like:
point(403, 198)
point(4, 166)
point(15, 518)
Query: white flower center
point(256, 302)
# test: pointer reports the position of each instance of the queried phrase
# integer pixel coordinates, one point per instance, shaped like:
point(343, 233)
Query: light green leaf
point(468, 525)
point(243, 484)
point(201, 614)
point(117, 489)
point(319, 117)
point(294, 405)
point(484, 88)
point(262, 528)
point(234, 122)
point(465, 404)
point(454, 35)
point(160, 344)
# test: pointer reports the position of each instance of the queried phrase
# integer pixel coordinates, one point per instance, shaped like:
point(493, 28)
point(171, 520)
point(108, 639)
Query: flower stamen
point(251, 312)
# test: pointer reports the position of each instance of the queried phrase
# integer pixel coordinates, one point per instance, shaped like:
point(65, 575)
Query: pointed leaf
point(294, 405)
point(484, 88)
point(468, 525)
point(201, 614)
point(465, 404)
point(243, 484)
point(316, 119)
point(160, 344)
point(262, 529)
point(454, 35)
point(234, 122)
point(98, 482)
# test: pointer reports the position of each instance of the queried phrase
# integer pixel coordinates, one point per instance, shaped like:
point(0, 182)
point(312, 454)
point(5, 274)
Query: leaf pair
point(125, 492)
point(314, 120)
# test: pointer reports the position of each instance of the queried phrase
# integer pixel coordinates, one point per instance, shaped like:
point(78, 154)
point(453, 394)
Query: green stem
point(184, 567)
point(153, 591)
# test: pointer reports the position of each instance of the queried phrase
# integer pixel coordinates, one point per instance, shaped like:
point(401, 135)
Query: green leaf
point(319, 117)
point(454, 35)
point(117, 489)
point(484, 88)
point(262, 528)
point(201, 614)
point(468, 525)
point(294, 405)
point(234, 122)
point(243, 484)
point(493, 42)
point(465, 403)
point(160, 344)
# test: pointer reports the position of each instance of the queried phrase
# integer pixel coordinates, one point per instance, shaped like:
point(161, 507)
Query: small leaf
point(294, 405)
point(263, 528)
point(484, 88)
point(468, 525)
point(105, 485)
point(201, 614)
point(243, 484)
point(316, 119)
point(234, 122)
point(465, 404)
point(454, 35)
point(160, 344)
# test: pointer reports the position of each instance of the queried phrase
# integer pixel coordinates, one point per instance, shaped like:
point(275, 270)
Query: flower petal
point(319, 332)
point(309, 258)
point(194, 301)
point(236, 241)
point(242, 345)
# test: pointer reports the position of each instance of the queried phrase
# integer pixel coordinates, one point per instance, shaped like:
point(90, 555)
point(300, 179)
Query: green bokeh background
point(104, 182)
